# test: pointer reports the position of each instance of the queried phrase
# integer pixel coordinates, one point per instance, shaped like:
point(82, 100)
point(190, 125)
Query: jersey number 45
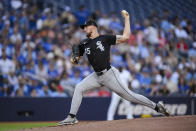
point(87, 51)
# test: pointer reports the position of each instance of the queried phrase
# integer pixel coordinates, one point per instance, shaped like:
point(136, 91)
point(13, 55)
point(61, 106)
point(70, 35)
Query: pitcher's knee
point(79, 87)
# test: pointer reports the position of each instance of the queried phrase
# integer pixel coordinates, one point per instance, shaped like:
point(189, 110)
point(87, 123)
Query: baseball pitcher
point(97, 48)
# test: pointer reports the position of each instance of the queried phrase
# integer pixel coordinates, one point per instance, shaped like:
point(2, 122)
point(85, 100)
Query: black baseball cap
point(89, 22)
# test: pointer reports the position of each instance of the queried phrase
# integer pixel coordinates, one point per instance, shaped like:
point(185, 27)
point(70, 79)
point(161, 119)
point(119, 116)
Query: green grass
point(5, 126)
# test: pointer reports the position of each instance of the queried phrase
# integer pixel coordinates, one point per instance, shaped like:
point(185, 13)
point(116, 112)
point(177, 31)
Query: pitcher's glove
point(75, 54)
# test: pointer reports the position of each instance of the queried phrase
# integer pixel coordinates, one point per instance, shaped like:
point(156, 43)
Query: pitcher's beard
point(89, 35)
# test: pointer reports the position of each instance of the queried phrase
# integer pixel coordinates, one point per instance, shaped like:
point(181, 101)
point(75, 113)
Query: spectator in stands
point(49, 21)
point(41, 73)
point(28, 71)
point(24, 22)
point(96, 15)
point(44, 92)
point(8, 47)
point(182, 86)
point(144, 50)
point(192, 85)
point(67, 84)
point(13, 81)
point(117, 59)
point(27, 44)
point(175, 76)
point(192, 51)
point(190, 31)
point(162, 41)
point(104, 21)
point(6, 30)
point(135, 84)
point(153, 89)
point(33, 93)
point(76, 78)
point(182, 48)
point(22, 90)
point(57, 90)
point(158, 58)
point(36, 85)
point(82, 15)
point(52, 71)
point(16, 37)
point(166, 24)
point(67, 17)
point(6, 65)
point(145, 79)
point(16, 4)
point(151, 33)
point(6, 89)
point(171, 85)
point(85, 69)
point(180, 32)
point(115, 24)
point(134, 51)
point(163, 91)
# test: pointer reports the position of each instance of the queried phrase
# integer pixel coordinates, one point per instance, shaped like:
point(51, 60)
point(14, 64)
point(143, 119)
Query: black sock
point(156, 108)
point(72, 115)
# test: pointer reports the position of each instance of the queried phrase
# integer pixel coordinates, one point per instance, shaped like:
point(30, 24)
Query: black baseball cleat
point(162, 109)
point(68, 121)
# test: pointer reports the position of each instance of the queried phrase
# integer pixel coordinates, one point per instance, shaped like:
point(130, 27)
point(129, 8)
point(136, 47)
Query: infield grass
point(5, 126)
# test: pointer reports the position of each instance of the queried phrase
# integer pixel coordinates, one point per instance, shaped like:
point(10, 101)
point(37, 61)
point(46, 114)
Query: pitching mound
point(177, 123)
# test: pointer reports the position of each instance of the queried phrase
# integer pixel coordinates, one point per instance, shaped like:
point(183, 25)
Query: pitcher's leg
point(113, 81)
point(113, 106)
point(90, 82)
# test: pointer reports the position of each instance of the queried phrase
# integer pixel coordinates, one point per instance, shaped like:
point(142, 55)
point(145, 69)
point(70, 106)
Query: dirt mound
point(176, 123)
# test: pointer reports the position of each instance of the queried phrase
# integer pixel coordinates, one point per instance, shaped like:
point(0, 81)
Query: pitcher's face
point(89, 29)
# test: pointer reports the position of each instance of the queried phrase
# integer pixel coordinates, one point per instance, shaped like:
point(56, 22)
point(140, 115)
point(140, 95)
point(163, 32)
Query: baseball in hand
point(124, 13)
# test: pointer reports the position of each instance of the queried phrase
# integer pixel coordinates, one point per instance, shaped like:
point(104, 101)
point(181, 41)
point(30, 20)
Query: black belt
point(103, 71)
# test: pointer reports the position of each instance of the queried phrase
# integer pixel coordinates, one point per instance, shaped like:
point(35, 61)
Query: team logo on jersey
point(100, 46)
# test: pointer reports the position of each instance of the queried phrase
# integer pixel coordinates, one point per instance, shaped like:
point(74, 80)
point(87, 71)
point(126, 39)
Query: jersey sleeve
point(81, 49)
point(81, 46)
point(111, 39)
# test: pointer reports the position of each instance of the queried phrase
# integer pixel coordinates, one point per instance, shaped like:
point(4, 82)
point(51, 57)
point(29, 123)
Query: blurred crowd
point(35, 48)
